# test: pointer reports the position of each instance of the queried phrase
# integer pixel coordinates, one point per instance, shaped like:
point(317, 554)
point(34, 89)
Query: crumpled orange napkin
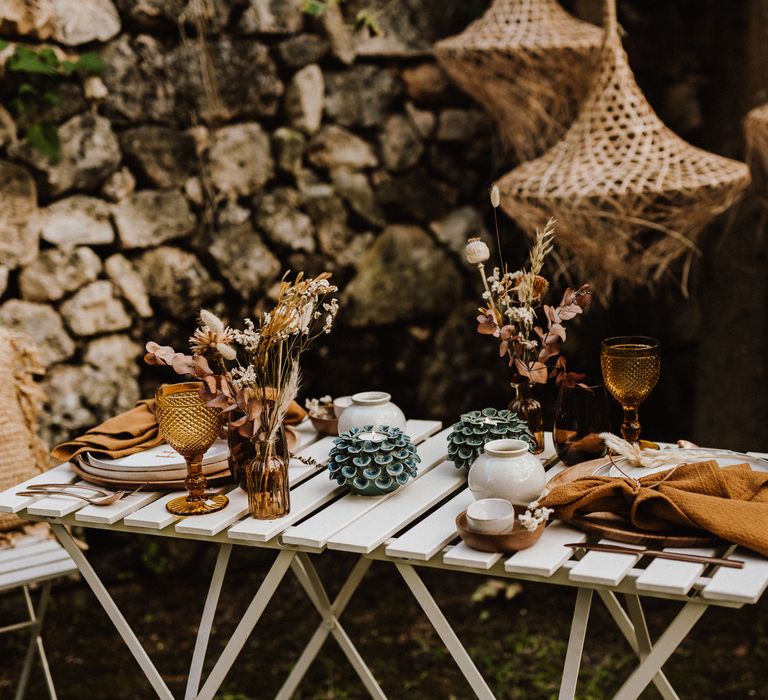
point(731, 503)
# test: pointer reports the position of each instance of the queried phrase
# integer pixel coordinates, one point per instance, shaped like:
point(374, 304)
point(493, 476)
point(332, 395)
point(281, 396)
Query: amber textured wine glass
point(189, 427)
point(630, 366)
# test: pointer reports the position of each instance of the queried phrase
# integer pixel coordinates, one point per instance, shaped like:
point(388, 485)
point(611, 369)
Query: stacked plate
point(159, 467)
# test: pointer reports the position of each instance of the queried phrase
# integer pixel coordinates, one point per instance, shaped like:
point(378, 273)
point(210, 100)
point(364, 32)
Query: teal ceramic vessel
point(373, 462)
point(473, 430)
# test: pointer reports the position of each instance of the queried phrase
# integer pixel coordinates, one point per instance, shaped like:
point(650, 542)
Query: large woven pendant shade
point(631, 197)
point(756, 132)
point(529, 64)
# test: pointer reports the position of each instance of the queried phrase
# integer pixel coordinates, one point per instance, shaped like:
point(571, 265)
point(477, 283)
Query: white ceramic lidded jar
point(371, 408)
point(507, 470)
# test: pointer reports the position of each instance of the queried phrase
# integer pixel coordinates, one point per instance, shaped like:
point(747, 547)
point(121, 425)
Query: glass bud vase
point(266, 480)
point(529, 409)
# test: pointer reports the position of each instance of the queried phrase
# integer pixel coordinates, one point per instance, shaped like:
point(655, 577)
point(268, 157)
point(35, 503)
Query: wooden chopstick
point(658, 553)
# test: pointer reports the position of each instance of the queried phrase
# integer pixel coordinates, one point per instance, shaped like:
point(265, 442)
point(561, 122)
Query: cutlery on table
point(105, 500)
point(60, 487)
point(658, 553)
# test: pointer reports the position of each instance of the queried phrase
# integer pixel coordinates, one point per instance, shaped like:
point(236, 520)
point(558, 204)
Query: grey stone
point(272, 17)
point(19, 236)
point(165, 14)
point(329, 217)
point(356, 190)
point(461, 125)
point(361, 96)
point(282, 222)
point(165, 157)
point(232, 214)
point(414, 194)
point(193, 188)
point(244, 260)
point(305, 98)
point(289, 145)
point(339, 34)
point(76, 220)
point(355, 250)
point(425, 83)
point(150, 217)
point(118, 185)
point(423, 120)
point(303, 49)
point(401, 147)
point(334, 147)
point(42, 324)
point(67, 389)
point(177, 282)
point(8, 129)
point(240, 161)
point(457, 226)
point(128, 283)
point(95, 309)
point(116, 352)
point(3, 280)
point(82, 21)
point(89, 151)
point(28, 19)
point(71, 102)
point(56, 273)
point(403, 277)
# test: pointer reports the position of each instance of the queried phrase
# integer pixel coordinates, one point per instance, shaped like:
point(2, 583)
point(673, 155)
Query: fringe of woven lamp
point(630, 196)
point(756, 133)
point(528, 63)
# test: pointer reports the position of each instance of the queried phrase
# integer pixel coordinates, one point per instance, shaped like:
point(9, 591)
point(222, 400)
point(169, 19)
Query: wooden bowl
point(511, 541)
point(325, 426)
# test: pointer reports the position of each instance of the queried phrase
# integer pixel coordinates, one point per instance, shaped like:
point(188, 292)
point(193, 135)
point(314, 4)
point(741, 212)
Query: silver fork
point(106, 500)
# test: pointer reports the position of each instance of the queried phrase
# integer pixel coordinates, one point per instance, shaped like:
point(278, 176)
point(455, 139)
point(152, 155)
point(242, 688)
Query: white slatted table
point(410, 528)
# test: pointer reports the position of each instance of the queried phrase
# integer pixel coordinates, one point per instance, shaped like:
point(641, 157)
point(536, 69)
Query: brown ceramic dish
point(325, 426)
point(513, 541)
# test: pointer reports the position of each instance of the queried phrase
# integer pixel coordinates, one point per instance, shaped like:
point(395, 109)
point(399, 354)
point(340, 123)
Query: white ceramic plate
point(725, 458)
point(160, 458)
point(150, 475)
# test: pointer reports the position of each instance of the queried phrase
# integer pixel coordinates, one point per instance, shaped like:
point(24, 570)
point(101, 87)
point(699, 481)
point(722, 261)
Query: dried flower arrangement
point(256, 370)
point(511, 301)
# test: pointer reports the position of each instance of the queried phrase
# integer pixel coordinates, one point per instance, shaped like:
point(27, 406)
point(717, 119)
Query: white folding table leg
point(124, 629)
point(247, 623)
point(36, 643)
point(575, 644)
point(664, 648)
point(307, 575)
point(206, 621)
point(635, 631)
point(445, 631)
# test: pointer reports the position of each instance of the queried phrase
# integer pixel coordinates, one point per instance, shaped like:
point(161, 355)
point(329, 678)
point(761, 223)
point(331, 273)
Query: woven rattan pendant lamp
point(756, 132)
point(529, 64)
point(631, 196)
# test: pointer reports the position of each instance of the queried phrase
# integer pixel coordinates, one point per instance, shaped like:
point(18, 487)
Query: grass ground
point(516, 634)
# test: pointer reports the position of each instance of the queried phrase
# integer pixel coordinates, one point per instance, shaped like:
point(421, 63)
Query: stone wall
point(196, 169)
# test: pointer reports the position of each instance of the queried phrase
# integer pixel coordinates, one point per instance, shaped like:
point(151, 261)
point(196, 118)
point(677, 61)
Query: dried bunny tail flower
point(476, 251)
point(210, 319)
point(495, 197)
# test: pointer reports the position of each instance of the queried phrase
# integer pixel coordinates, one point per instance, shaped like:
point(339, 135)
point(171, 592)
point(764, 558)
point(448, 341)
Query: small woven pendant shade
point(529, 64)
point(630, 196)
point(756, 132)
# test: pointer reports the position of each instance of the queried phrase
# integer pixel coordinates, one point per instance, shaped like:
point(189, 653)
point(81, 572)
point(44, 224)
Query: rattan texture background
point(756, 133)
point(630, 196)
point(22, 453)
point(529, 64)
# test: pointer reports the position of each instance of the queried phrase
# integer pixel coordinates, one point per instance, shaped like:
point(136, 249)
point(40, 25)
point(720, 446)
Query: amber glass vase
point(266, 479)
point(529, 409)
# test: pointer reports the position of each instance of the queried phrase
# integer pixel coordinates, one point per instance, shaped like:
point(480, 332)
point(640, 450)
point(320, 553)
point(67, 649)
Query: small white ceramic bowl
point(490, 516)
point(340, 403)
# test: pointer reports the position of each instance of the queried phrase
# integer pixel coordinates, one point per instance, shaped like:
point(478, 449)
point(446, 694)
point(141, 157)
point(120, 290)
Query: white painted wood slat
point(315, 531)
point(37, 573)
point(462, 555)
point(548, 554)
point(11, 503)
point(669, 576)
point(604, 568)
point(739, 585)
point(10, 554)
point(48, 557)
point(393, 514)
point(56, 506)
point(108, 515)
point(428, 537)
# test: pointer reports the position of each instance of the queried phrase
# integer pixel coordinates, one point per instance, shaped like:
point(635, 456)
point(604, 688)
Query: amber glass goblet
point(189, 427)
point(630, 366)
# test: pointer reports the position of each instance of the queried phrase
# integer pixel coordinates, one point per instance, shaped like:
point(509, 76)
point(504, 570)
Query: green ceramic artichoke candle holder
point(476, 428)
point(373, 462)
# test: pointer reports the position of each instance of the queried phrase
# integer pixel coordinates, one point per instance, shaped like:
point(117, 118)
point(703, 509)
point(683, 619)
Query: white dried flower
point(495, 197)
point(534, 516)
point(476, 251)
point(210, 319)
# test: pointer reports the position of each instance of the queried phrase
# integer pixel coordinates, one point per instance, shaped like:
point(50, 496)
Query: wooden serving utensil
point(658, 553)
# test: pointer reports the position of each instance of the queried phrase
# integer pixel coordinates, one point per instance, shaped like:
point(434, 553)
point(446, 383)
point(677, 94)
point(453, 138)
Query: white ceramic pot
point(371, 408)
point(507, 470)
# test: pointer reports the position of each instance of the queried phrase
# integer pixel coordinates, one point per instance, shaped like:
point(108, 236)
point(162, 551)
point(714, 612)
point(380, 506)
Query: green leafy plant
point(365, 18)
point(35, 77)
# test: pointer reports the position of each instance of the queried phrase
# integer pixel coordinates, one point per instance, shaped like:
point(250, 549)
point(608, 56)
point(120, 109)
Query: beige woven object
point(529, 64)
point(756, 132)
point(630, 196)
point(22, 453)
